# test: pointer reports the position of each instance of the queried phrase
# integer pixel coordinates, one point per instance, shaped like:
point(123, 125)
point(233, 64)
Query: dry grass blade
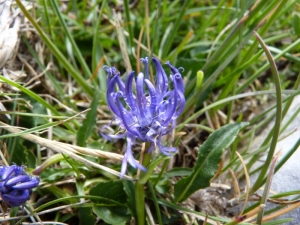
point(2, 108)
point(135, 40)
point(3, 159)
point(138, 51)
point(9, 28)
point(203, 218)
point(150, 216)
point(248, 216)
point(42, 213)
point(281, 212)
point(236, 187)
point(70, 151)
point(267, 186)
point(100, 64)
point(147, 25)
point(95, 152)
point(247, 182)
point(122, 43)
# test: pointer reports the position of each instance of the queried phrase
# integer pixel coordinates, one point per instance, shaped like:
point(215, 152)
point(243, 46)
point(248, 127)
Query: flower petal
point(18, 179)
point(141, 101)
point(120, 83)
point(8, 172)
point(16, 197)
point(124, 115)
point(17, 170)
point(34, 182)
point(110, 72)
point(161, 83)
point(153, 97)
point(124, 166)
point(166, 150)
point(110, 137)
point(151, 148)
point(146, 63)
point(110, 97)
point(173, 69)
point(130, 98)
point(128, 157)
point(178, 80)
point(182, 105)
point(172, 105)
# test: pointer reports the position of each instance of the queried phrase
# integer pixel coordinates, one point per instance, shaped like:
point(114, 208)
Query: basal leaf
point(109, 212)
point(55, 174)
point(89, 123)
point(112, 215)
point(112, 190)
point(38, 108)
point(176, 172)
point(208, 160)
point(130, 191)
point(86, 216)
point(18, 152)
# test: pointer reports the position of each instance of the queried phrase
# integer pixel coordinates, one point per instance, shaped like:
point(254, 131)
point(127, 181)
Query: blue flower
point(16, 185)
point(145, 112)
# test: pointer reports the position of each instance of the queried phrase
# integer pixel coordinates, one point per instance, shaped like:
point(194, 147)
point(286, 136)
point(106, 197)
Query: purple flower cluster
point(16, 185)
point(144, 111)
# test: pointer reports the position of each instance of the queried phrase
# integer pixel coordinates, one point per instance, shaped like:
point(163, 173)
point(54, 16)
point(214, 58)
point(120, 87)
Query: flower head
point(16, 185)
point(144, 111)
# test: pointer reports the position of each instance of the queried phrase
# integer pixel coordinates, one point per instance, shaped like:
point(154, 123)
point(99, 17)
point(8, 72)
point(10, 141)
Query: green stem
point(139, 189)
point(140, 203)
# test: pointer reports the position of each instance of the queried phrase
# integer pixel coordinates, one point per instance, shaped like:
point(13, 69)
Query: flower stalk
point(140, 203)
point(139, 188)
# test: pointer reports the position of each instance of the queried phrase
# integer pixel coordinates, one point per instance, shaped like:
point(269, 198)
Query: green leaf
point(31, 160)
point(178, 172)
point(38, 108)
point(130, 191)
point(209, 157)
point(111, 212)
point(112, 190)
point(18, 152)
point(58, 193)
point(112, 215)
point(86, 216)
point(55, 174)
point(154, 163)
point(89, 123)
point(296, 24)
